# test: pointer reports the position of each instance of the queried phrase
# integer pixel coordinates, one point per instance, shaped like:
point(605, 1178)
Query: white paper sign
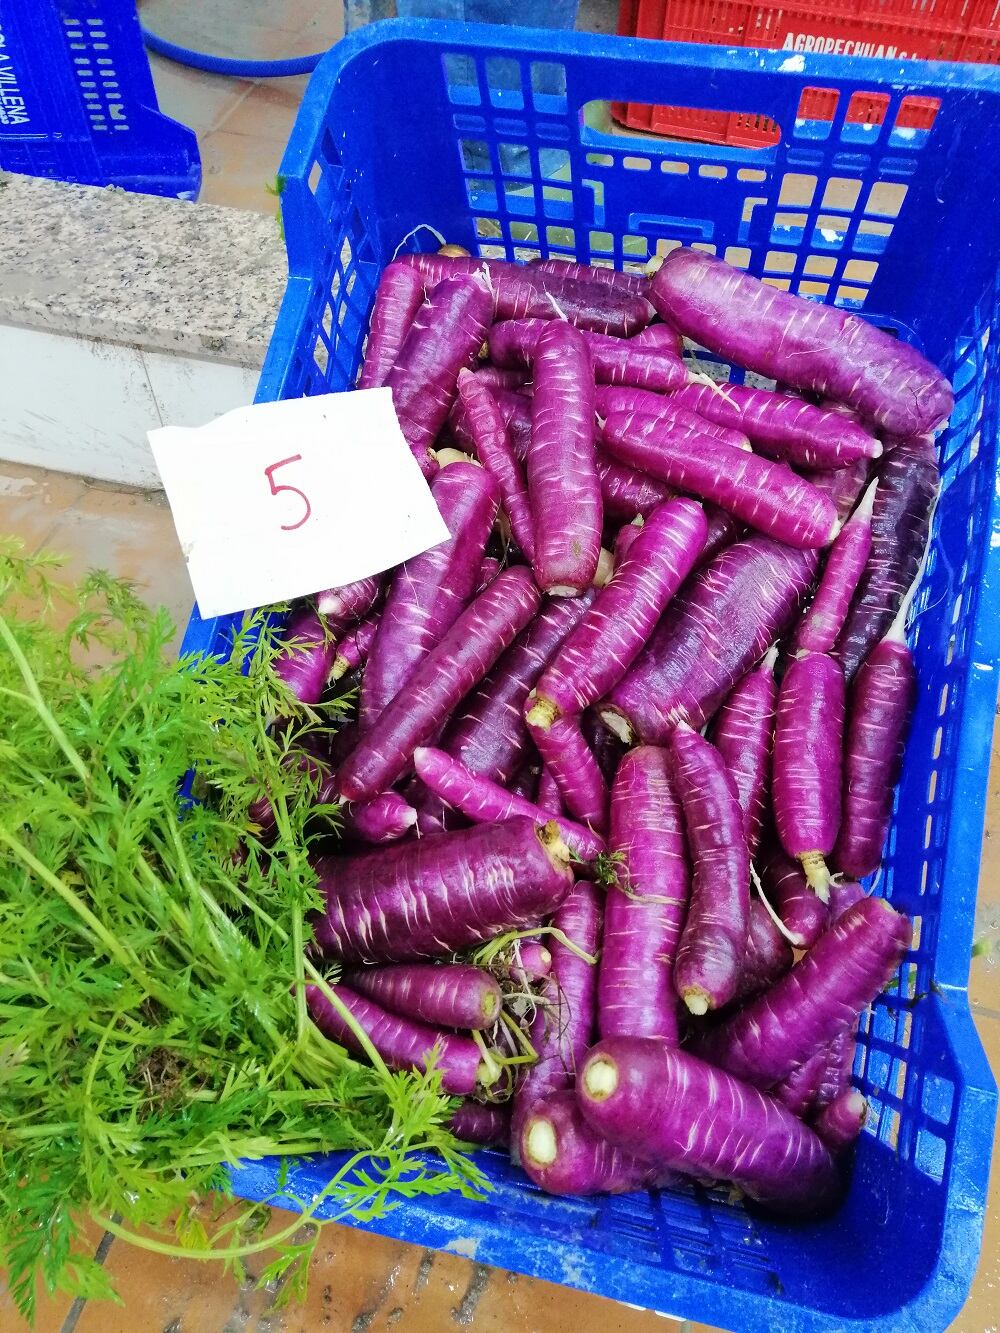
point(280, 500)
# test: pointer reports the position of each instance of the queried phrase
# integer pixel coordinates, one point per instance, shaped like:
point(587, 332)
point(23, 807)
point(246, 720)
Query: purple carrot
point(481, 1123)
point(768, 496)
point(659, 335)
point(400, 295)
point(881, 703)
point(534, 961)
point(560, 1152)
point(352, 601)
point(610, 400)
point(803, 914)
point(447, 995)
point(446, 336)
point(645, 911)
point(797, 1092)
point(809, 346)
point(844, 485)
point(732, 611)
point(401, 1042)
point(781, 426)
point(453, 666)
point(429, 592)
point(808, 761)
point(489, 568)
point(520, 292)
point(433, 816)
point(615, 360)
point(549, 797)
point(569, 759)
point(633, 284)
point(818, 1000)
point(624, 491)
point(678, 1113)
point(490, 735)
point(307, 655)
point(486, 802)
point(604, 745)
point(515, 408)
point(824, 619)
point(713, 943)
point(382, 819)
point(723, 531)
point(597, 653)
point(440, 894)
point(493, 449)
point(563, 1025)
point(627, 534)
point(838, 1066)
point(908, 483)
point(743, 733)
point(495, 377)
point(768, 955)
point(562, 480)
point(354, 646)
point(839, 1125)
point(844, 893)
point(525, 780)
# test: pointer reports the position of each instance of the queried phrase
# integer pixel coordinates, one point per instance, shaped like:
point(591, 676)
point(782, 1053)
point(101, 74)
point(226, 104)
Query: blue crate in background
point(901, 223)
point(77, 101)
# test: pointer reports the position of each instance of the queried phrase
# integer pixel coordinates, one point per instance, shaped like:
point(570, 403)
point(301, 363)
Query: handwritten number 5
point(277, 488)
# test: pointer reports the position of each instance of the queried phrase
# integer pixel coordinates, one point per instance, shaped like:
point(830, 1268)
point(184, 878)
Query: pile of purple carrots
point(625, 744)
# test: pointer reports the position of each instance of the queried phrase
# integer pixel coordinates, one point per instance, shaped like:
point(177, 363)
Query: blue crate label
point(13, 108)
point(278, 500)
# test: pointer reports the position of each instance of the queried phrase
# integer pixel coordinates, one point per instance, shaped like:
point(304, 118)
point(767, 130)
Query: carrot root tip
point(542, 714)
point(540, 1143)
point(817, 875)
point(696, 1001)
point(600, 1078)
point(552, 840)
point(619, 725)
point(605, 568)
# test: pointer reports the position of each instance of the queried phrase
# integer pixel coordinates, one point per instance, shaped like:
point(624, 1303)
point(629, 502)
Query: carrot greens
point(153, 1022)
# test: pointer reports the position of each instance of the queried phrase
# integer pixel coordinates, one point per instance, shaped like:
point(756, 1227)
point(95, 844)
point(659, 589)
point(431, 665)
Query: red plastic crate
point(885, 29)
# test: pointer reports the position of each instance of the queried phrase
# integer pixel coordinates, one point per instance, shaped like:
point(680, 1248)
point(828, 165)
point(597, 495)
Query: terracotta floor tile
point(51, 1312)
point(267, 113)
point(597, 16)
point(981, 1312)
point(251, 29)
point(33, 501)
point(984, 973)
point(237, 170)
point(131, 534)
point(193, 97)
point(361, 1281)
point(323, 27)
point(50, 1316)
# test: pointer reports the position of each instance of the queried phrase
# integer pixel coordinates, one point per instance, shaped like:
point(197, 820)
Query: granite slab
point(162, 274)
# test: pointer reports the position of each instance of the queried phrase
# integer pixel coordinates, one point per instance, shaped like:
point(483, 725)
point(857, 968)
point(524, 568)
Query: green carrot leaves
point(152, 952)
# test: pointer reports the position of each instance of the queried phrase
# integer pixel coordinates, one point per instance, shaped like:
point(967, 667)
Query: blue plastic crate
point(901, 222)
point(77, 101)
